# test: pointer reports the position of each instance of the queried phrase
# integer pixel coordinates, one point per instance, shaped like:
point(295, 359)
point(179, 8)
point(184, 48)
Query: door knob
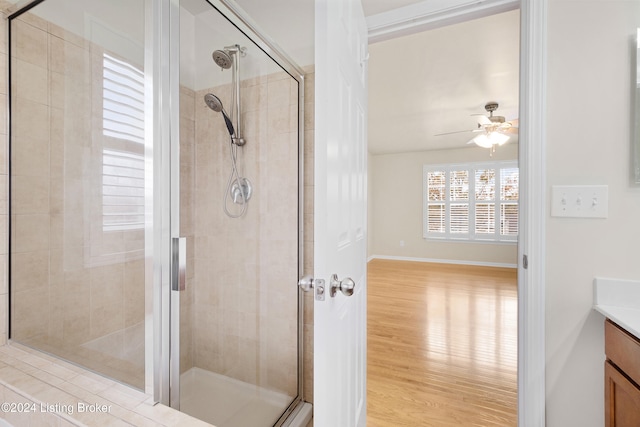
point(345, 285)
point(306, 283)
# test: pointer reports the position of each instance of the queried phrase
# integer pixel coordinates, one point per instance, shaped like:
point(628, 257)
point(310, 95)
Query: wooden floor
point(442, 345)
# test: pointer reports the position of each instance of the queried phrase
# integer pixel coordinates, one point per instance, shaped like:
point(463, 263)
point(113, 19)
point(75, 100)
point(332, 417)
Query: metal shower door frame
point(159, 206)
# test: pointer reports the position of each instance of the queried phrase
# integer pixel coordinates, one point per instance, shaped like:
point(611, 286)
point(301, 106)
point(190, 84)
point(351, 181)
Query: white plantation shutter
point(436, 216)
point(459, 218)
point(122, 127)
point(474, 201)
point(459, 192)
point(459, 186)
point(509, 194)
point(485, 190)
point(123, 100)
point(485, 218)
point(436, 195)
point(122, 190)
point(509, 219)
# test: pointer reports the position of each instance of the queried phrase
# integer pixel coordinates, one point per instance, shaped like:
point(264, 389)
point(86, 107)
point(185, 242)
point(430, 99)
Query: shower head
point(215, 104)
point(222, 58)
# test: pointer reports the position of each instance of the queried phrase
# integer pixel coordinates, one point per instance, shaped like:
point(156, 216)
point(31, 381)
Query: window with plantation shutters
point(459, 202)
point(123, 141)
point(436, 201)
point(471, 202)
point(122, 100)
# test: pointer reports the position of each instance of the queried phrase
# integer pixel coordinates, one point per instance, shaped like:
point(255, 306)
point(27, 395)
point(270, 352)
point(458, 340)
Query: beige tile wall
point(78, 291)
point(187, 222)
point(245, 309)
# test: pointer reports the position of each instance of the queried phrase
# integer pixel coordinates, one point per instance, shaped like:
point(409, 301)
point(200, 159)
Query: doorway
point(396, 178)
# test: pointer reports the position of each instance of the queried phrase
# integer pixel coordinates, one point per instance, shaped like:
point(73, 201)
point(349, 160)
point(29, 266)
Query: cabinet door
point(622, 399)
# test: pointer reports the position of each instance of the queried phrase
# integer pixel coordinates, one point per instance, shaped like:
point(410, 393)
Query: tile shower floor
point(226, 402)
point(29, 376)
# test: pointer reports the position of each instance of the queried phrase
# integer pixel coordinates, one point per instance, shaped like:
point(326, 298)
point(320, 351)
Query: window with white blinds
point(123, 146)
point(122, 190)
point(122, 100)
point(471, 202)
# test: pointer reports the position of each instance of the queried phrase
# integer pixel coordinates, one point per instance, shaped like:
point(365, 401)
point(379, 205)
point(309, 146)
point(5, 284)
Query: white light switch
point(580, 201)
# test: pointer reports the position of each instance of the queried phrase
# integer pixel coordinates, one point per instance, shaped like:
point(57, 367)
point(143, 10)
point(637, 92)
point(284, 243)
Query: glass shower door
point(78, 184)
point(238, 206)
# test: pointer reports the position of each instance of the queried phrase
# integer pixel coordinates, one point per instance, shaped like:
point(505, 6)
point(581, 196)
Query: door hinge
point(525, 262)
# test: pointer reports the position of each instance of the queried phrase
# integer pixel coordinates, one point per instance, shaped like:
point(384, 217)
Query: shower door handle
point(178, 263)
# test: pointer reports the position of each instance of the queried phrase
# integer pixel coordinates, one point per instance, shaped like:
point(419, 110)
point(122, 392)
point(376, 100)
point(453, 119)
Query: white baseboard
point(444, 261)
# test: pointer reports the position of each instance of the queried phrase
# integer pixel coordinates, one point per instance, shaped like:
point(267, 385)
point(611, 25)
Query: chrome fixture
point(241, 191)
point(222, 58)
point(215, 104)
point(346, 285)
point(306, 283)
point(225, 59)
point(238, 188)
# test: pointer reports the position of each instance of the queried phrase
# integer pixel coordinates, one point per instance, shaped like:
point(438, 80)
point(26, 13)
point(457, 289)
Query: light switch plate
point(580, 201)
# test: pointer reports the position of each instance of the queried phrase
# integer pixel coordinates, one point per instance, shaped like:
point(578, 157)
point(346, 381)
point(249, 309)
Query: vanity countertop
point(619, 300)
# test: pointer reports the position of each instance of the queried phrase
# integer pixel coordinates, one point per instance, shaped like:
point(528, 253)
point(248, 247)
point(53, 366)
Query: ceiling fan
point(492, 130)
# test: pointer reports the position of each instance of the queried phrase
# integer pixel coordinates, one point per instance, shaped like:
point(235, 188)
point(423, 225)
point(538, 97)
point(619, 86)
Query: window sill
point(474, 241)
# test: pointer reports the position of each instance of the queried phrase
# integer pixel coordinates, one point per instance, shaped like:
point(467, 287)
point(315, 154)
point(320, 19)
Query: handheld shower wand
point(239, 189)
point(215, 104)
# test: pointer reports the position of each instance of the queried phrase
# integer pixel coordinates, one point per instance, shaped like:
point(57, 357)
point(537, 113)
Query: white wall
point(588, 142)
point(395, 207)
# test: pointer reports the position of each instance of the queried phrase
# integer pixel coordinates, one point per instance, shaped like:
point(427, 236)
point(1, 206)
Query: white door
point(340, 230)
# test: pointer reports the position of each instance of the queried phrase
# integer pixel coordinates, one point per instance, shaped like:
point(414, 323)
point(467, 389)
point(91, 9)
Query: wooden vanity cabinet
point(621, 377)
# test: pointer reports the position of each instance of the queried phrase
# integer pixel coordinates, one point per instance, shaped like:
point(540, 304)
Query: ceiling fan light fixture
point(482, 141)
point(500, 137)
point(492, 130)
point(488, 140)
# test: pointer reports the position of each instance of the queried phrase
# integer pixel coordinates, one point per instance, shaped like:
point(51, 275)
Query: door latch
point(307, 283)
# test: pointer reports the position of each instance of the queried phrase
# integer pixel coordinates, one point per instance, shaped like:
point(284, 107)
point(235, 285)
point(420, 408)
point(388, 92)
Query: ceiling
point(432, 82)
point(420, 84)
point(373, 7)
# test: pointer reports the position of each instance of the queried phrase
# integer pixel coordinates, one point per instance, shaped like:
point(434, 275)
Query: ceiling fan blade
point(451, 133)
point(512, 130)
point(482, 119)
point(514, 123)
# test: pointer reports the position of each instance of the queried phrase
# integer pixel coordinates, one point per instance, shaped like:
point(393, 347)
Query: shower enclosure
point(155, 191)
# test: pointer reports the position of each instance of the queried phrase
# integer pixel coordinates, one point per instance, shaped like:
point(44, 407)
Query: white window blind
point(436, 187)
point(473, 201)
point(123, 100)
point(459, 197)
point(123, 148)
point(122, 190)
